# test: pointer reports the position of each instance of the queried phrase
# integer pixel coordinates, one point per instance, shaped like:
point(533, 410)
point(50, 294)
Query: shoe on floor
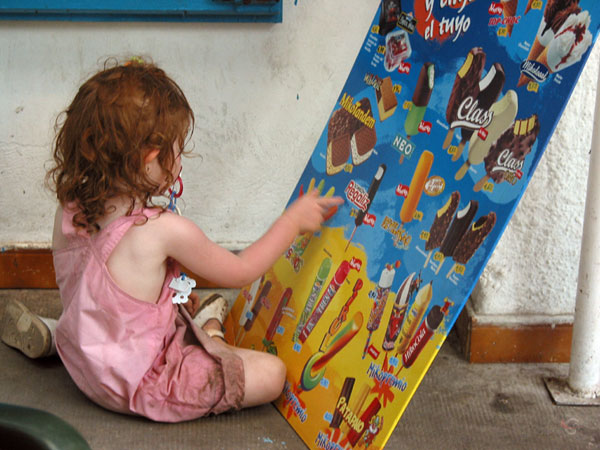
point(25, 331)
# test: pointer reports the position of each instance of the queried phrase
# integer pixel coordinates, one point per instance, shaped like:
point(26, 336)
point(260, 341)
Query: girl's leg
point(264, 373)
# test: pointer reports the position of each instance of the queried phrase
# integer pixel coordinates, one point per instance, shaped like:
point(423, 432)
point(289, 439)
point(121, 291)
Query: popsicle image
point(372, 409)
point(381, 295)
point(441, 222)
point(466, 84)
point(507, 155)
point(314, 369)
point(416, 187)
point(373, 187)
point(253, 314)
point(398, 312)
point(248, 305)
point(335, 283)
point(356, 405)
point(320, 278)
point(414, 316)
point(420, 99)
point(343, 398)
point(341, 318)
point(434, 318)
point(504, 113)
point(490, 88)
point(276, 319)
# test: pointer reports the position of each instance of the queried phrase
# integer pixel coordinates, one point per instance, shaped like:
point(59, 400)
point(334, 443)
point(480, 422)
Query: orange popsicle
point(416, 186)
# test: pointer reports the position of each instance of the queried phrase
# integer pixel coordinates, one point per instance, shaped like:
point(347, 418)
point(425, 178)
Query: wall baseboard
point(490, 343)
point(33, 269)
point(480, 343)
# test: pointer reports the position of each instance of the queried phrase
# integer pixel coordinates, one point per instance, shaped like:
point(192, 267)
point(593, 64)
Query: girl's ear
point(151, 155)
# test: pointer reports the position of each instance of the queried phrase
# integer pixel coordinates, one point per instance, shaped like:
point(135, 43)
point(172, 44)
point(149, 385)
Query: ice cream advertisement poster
point(432, 141)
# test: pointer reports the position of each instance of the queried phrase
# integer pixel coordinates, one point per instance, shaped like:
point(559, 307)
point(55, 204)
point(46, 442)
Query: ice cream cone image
point(543, 59)
point(528, 7)
point(536, 50)
point(509, 9)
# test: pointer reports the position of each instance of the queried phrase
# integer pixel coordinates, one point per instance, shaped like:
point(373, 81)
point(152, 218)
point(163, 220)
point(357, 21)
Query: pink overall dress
point(129, 355)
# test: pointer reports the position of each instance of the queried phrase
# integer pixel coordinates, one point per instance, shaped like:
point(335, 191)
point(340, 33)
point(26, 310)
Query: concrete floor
point(458, 406)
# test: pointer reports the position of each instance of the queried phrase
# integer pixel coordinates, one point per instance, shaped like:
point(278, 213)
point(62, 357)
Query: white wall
point(262, 94)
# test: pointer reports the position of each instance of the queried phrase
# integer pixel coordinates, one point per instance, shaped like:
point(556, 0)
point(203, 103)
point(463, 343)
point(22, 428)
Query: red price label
point(372, 351)
point(482, 134)
point(402, 190)
point(404, 67)
point(496, 8)
point(355, 264)
point(425, 127)
point(369, 219)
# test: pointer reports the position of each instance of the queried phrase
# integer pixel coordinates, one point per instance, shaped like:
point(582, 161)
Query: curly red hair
point(116, 117)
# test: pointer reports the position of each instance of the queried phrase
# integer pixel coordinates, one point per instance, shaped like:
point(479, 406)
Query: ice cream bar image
point(466, 84)
point(386, 99)
point(423, 334)
point(504, 113)
point(490, 88)
point(416, 187)
point(276, 319)
point(320, 278)
point(362, 144)
point(414, 316)
point(473, 238)
point(257, 305)
point(459, 226)
point(420, 99)
point(335, 283)
point(441, 222)
point(373, 187)
point(372, 409)
point(343, 398)
point(508, 153)
point(398, 312)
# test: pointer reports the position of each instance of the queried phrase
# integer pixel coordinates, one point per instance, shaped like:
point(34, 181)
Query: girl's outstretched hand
point(309, 211)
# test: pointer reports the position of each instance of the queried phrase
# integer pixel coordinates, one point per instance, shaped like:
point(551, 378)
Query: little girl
point(122, 338)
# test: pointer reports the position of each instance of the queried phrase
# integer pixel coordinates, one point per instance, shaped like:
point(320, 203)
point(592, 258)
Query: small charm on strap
point(182, 286)
point(174, 195)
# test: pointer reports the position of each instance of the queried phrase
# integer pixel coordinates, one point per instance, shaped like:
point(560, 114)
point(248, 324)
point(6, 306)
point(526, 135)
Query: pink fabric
point(128, 355)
